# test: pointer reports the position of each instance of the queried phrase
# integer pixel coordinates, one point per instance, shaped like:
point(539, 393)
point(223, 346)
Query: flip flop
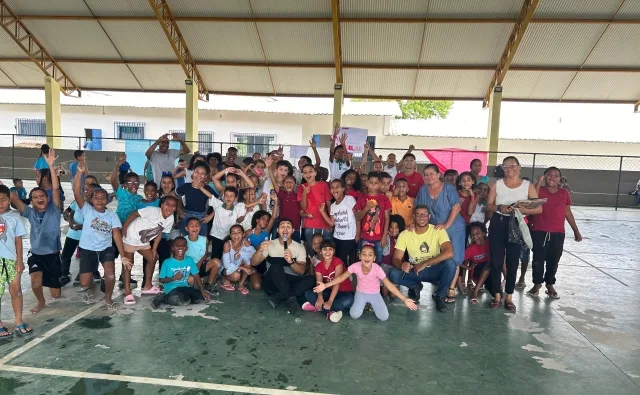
point(532, 293)
point(18, 330)
point(552, 295)
point(495, 304)
point(129, 300)
point(474, 301)
point(151, 291)
point(228, 287)
point(8, 335)
point(510, 307)
point(244, 290)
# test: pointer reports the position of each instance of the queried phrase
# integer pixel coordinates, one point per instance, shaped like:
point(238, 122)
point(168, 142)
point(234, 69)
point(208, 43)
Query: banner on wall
point(298, 151)
point(453, 158)
point(356, 138)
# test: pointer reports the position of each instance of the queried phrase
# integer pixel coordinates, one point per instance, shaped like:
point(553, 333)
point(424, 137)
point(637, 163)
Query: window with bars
point(205, 140)
point(180, 133)
point(129, 130)
point(248, 144)
point(31, 127)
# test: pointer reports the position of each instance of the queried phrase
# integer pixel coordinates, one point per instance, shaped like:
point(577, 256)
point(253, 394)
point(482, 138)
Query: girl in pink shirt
point(369, 275)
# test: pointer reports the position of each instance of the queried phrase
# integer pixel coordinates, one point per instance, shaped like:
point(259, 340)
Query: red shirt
point(329, 273)
point(319, 194)
point(372, 225)
point(354, 194)
point(477, 253)
point(465, 201)
point(415, 181)
point(553, 211)
point(289, 207)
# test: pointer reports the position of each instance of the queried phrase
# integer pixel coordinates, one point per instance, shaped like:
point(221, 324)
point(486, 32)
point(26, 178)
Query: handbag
point(518, 230)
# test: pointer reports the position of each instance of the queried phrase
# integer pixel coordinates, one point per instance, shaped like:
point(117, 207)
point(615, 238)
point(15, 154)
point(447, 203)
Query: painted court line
point(597, 268)
point(153, 381)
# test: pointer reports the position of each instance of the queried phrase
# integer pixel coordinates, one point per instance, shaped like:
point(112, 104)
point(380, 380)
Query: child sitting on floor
point(178, 274)
point(236, 262)
point(476, 259)
point(396, 226)
point(369, 275)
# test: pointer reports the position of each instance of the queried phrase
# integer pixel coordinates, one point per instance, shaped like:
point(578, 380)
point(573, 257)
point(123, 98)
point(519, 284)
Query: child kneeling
point(178, 274)
point(369, 275)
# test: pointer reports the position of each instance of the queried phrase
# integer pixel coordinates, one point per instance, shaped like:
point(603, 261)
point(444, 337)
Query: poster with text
point(356, 138)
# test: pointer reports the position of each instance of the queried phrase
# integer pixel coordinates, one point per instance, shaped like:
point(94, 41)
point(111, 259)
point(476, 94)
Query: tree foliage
point(420, 109)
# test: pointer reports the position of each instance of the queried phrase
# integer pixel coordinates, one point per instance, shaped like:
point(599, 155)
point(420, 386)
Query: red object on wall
point(455, 158)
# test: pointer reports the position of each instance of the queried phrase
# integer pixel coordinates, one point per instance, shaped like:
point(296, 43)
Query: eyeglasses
point(132, 183)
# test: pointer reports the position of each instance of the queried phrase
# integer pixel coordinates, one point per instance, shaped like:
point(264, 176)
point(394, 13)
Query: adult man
point(230, 160)
point(285, 279)
point(164, 159)
point(431, 255)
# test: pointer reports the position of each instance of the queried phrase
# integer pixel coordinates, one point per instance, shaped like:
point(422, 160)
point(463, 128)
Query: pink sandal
point(129, 299)
point(244, 290)
point(151, 291)
point(228, 287)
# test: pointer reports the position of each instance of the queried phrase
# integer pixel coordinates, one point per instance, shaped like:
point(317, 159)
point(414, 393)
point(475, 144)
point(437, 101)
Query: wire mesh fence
point(601, 180)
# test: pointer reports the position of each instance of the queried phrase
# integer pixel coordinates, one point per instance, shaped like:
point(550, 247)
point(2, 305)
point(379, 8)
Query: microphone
point(412, 262)
point(284, 240)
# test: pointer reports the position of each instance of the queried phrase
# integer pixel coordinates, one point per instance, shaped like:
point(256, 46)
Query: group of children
point(205, 221)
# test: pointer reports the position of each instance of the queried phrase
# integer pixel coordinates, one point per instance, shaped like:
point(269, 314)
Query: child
point(197, 246)
point(311, 196)
point(352, 184)
point(287, 203)
point(465, 184)
point(282, 169)
point(100, 231)
point(333, 301)
point(236, 262)
point(414, 179)
point(80, 157)
point(314, 252)
point(41, 162)
point(343, 221)
point(178, 274)
point(180, 172)
point(396, 226)
point(232, 179)
point(44, 179)
point(148, 171)
point(363, 184)
point(450, 176)
point(150, 196)
point(476, 260)
point(385, 184)
point(11, 233)
point(143, 227)
point(124, 168)
point(44, 264)
point(372, 213)
point(196, 196)
point(338, 158)
point(19, 188)
point(478, 204)
point(401, 203)
point(369, 275)
point(476, 167)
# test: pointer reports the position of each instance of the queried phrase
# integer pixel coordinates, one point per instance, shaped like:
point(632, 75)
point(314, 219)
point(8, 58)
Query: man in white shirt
point(164, 159)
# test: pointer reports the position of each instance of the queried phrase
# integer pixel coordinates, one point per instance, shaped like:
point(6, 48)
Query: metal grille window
point(129, 130)
point(205, 142)
point(248, 144)
point(180, 133)
point(31, 127)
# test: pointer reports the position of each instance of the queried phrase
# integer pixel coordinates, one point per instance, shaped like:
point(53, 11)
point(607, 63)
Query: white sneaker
point(335, 316)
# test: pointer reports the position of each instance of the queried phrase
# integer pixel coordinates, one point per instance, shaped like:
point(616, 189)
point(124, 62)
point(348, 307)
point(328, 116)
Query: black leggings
point(182, 296)
point(346, 251)
point(500, 248)
point(68, 250)
point(547, 247)
point(277, 282)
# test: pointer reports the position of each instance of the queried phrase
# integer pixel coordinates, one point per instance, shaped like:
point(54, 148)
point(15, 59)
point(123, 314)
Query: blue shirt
point(45, 229)
point(41, 163)
point(11, 226)
point(172, 266)
point(231, 264)
point(73, 168)
point(124, 167)
point(127, 203)
point(196, 249)
point(256, 240)
point(142, 204)
point(78, 219)
point(97, 228)
point(22, 192)
point(49, 193)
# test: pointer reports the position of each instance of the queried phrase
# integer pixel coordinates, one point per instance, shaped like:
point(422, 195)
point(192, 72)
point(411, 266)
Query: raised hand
point(343, 139)
point(312, 143)
point(51, 157)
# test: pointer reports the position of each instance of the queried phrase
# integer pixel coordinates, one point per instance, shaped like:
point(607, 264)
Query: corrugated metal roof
point(160, 77)
point(464, 43)
point(73, 39)
point(225, 8)
point(474, 8)
point(24, 74)
point(9, 48)
point(453, 83)
point(307, 81)
point(373, 82)
point(114, 76)
point(372, 43)
point(222, 41)
point(292, 8)
point(150, 41)
point(536, 84)
point(297, 42)
point(630, 9)
point(121, 7)
point(548, 44)
point(620, 45)
point(605, 86)
point(384, 8)
point(4, 79)
point(593, 9)
point(44, 7)
point(236, 79)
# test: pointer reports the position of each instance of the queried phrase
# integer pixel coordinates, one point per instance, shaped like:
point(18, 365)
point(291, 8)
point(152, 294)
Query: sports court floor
point(586, 342)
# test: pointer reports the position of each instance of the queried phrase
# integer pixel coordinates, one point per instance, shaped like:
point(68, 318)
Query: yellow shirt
point(403, 209)
point(424, 246)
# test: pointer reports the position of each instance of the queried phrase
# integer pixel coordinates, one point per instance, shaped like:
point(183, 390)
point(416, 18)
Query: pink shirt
point(369, 283)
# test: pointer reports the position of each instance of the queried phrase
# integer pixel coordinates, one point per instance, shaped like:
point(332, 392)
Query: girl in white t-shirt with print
point(143, 227)
point(343, 220)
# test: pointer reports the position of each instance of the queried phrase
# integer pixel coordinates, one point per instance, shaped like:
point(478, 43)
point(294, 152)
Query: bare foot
point(4, 333)
point(37, 309)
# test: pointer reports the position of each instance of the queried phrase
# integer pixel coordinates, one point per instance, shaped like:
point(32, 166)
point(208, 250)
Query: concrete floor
point(586, 342)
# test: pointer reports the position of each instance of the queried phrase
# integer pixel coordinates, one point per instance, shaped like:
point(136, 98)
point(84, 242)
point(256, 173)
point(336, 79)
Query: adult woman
point(195, 159)
point(444, 207)
point(215, 162)
point(196, 196)
point(502, 195)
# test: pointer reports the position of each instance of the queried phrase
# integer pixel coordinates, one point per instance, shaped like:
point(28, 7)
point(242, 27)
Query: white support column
point(493, 129)
point(338, 99)
point(191, 116)
point(52, 111)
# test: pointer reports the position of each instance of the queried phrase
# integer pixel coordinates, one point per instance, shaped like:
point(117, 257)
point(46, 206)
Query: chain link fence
point(594, 180)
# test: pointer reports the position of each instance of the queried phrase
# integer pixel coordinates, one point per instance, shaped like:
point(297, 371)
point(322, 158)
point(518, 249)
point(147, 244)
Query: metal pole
point(533, 169)
point(13, 156)
point(619, 178)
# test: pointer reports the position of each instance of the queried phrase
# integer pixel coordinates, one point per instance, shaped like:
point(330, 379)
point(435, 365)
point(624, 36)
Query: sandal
point(510, 306)
point(129, 300)
point(228, 287)
point(23, 329)
point(154, 290)
point(474, 301)
point(450, 299)
point(495, 304)
point(552, 295)
point(5, 330)
point(532, 293)
point(244, 290)
point(521, 285)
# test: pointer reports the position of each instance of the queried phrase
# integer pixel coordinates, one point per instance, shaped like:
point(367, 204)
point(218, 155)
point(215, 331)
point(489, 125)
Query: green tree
point(420, 109)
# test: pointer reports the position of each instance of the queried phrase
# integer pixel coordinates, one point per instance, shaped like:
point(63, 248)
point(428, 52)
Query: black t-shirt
point(195, 200)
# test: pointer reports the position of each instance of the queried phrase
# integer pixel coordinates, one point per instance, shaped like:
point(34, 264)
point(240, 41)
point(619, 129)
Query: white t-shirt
point(337, 169)
point(269, 191)
point(187, 175)
point(297, 174)
point(393, 171)
point(479, 214)
point(224, 219)
point(145, 228)
point(163, 162)
point(345, 228)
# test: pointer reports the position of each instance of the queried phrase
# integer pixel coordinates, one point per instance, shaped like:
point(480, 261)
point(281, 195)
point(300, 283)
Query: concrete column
point(52, 111)
point(493, 130)
point(338, 99)
point(191, 116)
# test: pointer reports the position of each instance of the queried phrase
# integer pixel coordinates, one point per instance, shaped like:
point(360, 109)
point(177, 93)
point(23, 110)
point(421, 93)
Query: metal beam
point(631, 21)
point(337, 39)
point(177, 42)
point(526, 14)
point(636, 106)
point(14, 27)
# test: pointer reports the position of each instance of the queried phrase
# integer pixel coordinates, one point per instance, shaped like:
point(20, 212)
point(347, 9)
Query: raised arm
point(216, 180)
point(15, 200)
point(365, 159)
point(274, 215)
point(184, 148)
point(113, 179)
point(55, 181)
point(272, 177)
point(77, 186)
point(153, 146)
point(246, 178)
point(334, 136)
point(312, 144)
